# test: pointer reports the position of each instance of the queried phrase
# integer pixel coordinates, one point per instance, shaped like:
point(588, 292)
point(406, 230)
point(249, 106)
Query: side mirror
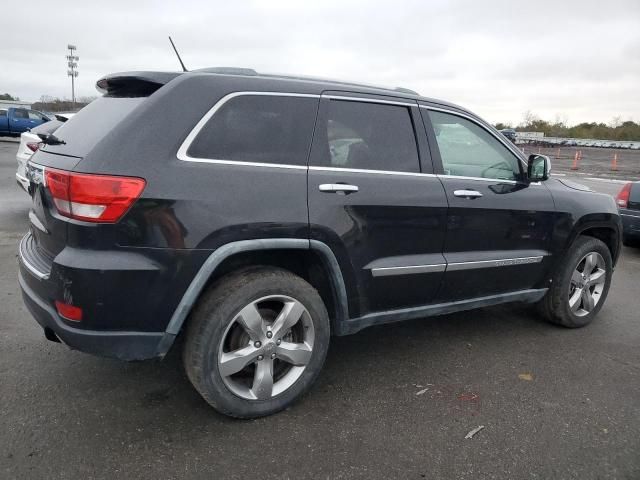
point(538, 168)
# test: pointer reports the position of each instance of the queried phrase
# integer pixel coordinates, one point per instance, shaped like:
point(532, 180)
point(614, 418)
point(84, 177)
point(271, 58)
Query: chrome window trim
point(369, 100)
point(410, 269)
point(474, 120)
point(186, 143)
point(492, 180)
point(378, 172)
point(504, 262)
point(453, 267)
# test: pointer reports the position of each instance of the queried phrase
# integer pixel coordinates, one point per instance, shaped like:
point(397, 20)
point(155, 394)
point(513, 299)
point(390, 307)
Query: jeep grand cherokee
point(256, 216)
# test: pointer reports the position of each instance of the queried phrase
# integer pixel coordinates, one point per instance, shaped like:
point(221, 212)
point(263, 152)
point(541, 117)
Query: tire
point(225, 321)
point(556, 306)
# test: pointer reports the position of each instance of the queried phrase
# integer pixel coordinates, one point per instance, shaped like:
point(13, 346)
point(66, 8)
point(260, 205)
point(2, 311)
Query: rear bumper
point(120, 345)
point(42, 282)
point(23, 182)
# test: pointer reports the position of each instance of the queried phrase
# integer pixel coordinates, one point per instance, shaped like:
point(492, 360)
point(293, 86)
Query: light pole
point(72, 62)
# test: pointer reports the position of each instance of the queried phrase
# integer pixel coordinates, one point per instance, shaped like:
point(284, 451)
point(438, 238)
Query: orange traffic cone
point(614, 162)
point(575, 161)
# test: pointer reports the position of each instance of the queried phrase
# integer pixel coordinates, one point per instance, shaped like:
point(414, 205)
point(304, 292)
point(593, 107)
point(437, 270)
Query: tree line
point(614, 130)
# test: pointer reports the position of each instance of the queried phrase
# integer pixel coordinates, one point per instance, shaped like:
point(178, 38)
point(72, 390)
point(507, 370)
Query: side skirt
point(356, 324)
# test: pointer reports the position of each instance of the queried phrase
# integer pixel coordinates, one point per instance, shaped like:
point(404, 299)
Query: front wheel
point(256, 342)
point(580, 287)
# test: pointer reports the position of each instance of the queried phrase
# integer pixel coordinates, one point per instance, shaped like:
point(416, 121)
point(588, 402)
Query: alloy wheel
point(587, 284)
point(266, 347)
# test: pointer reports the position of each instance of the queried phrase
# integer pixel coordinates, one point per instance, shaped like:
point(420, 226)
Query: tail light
point(69, 312)
point(623, 197)
point(33, 146)
point(92, 198)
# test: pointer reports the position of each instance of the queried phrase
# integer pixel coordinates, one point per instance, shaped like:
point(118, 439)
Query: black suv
point(254, 216)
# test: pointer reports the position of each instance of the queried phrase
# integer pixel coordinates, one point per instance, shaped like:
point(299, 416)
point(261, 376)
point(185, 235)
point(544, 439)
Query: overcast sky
point(576, 59)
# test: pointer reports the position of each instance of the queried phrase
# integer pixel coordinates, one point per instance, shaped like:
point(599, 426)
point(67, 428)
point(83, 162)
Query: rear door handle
point(467, 193)
point(343, 188)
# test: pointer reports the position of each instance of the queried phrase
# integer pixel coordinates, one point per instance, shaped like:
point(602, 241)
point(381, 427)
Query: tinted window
point(35, 116)
point(3, 113)
point(634, 195)
point(368, 136)
point(47, 127)
point(92, 123)
point(259, 128)
point(469, 150)
point(19, 113)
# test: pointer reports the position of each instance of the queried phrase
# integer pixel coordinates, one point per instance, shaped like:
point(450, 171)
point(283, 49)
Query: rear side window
point(634, 195)
point(3, 113)
point(368, 136)
point(259, 128)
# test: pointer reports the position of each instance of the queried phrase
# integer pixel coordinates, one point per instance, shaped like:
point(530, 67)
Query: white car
point(29, 144)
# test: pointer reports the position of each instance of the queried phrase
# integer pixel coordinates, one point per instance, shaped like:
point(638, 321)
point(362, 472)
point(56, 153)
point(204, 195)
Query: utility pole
point(72, 63)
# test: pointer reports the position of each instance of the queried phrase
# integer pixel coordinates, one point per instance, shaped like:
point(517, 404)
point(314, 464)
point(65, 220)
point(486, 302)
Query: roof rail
point(406, 90)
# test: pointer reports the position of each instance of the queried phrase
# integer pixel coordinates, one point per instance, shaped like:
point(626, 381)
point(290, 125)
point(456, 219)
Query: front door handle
point(342, 188)
point(467, 193)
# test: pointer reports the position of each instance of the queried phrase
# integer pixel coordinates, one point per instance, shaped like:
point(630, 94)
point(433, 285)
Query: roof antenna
point(184, 69)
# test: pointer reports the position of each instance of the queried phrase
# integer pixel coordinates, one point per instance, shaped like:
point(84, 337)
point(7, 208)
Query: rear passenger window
point(368, 136)
point(259, 128)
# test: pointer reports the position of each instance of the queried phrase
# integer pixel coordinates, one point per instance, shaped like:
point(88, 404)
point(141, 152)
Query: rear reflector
point(92, 198)
point(33, 146)
point(69, 312)
point(623, 197)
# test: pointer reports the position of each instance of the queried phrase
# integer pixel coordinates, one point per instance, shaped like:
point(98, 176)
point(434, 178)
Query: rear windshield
point(91, 124)
point(47, 127)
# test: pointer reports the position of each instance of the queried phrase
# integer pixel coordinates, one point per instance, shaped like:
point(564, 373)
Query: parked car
point(268, 213)
point(510, 133)
point(30, 142)
point(628, 201)
point(14, 121)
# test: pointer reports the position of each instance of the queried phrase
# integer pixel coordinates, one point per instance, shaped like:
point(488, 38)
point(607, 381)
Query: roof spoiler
point(134, 84)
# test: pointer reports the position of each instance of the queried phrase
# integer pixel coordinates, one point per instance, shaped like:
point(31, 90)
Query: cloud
point(499, 58)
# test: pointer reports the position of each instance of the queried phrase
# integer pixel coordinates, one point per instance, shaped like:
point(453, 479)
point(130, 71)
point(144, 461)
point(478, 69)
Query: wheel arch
point(607, 230)
point(300, 256)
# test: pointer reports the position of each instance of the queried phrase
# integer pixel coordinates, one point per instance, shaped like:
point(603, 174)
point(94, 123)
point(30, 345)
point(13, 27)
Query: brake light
point(623, 197)
point(33, 146)
point(69, 312)
point(92, 198)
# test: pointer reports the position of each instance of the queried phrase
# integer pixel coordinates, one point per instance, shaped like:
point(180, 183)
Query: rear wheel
point(581, 285)
point(256, 342)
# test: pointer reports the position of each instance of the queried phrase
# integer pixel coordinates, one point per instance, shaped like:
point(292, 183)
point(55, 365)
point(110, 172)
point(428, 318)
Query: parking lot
point(393, 401)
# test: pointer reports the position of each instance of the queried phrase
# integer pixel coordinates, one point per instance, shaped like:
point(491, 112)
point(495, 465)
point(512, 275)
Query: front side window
point(35, 116)
point(368, 136)
point(468, 150)
point(259, 128)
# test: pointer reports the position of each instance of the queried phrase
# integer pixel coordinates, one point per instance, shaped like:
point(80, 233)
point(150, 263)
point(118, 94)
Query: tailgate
point(48, 228)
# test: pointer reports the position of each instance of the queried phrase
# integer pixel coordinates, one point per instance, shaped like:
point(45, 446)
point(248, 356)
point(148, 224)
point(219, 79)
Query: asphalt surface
point(392, 402)
point(593, 161)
